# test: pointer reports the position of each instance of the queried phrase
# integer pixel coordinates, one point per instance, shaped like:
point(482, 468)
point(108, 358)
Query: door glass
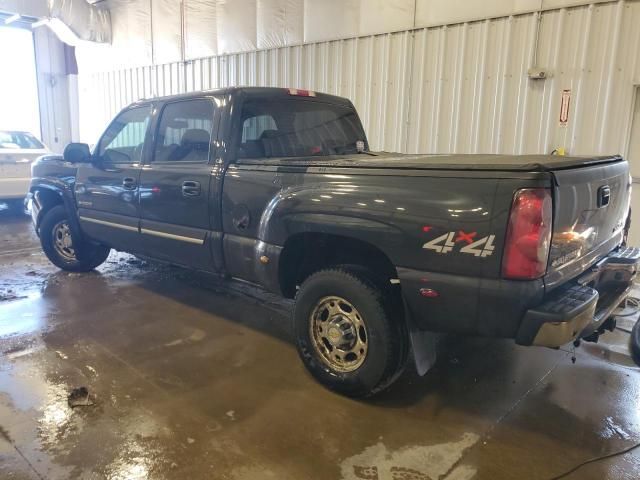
point(124, 139)
point(185, 130)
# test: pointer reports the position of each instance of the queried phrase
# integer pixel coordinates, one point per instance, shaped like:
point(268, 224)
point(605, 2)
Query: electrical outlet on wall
point(537, 73)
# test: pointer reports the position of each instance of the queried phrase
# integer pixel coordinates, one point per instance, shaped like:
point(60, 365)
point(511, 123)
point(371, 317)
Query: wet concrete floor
point(194, 377)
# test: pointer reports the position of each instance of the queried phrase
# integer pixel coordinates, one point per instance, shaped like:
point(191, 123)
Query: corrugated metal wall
point(457, 88)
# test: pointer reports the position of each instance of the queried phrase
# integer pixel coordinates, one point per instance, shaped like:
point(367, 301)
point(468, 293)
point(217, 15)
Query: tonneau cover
point(514, 163)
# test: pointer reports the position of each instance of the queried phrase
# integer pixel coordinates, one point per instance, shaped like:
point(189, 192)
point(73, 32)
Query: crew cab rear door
point(106, 189)
point(178, 192)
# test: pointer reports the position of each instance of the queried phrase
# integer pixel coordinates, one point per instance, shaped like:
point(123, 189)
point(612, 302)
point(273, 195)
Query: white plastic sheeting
point(436, 12)
point(237, 25)
point(72, 20)
point(379, 16)
point(280, 22)
point(459, 88)
point(201, 31)
point(331, 19)
point(192, 29)
point(84, 20)
point(166, 25)
point(440, 12)
point(334, 19)
point(32, 8)
point(131, 44)
point(202, 28)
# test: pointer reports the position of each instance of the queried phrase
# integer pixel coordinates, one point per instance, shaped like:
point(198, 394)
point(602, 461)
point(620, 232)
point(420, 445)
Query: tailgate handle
point(604, 196)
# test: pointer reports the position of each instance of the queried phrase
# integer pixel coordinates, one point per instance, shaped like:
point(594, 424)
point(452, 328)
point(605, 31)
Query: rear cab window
point(295, 127)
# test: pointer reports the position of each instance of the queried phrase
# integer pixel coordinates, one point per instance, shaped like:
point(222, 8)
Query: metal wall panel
point(55, 90)
point(454, 88)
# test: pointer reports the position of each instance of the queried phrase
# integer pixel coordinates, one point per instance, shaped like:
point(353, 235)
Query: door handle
point(190, 188)
point(129, 183)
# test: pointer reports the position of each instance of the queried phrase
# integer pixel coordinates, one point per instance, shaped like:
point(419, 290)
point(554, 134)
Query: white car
point(17, 151)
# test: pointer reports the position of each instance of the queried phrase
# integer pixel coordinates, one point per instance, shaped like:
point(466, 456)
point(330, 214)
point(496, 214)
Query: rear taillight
point(528, 235)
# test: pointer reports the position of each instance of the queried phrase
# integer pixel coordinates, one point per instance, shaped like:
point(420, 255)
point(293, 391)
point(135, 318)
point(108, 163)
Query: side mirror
point(77, 153)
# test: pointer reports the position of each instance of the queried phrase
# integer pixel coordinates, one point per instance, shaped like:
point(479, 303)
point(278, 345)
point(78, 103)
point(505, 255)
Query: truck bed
point(476, 162)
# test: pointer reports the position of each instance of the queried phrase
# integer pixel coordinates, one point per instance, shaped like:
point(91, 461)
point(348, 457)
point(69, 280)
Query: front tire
point(63, 248)
point(345, 333)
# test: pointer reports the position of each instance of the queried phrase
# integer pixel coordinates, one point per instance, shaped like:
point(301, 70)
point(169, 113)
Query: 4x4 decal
point(483, 247)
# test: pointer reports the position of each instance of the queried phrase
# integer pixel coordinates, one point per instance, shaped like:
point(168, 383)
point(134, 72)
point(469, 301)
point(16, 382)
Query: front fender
point(56, 178)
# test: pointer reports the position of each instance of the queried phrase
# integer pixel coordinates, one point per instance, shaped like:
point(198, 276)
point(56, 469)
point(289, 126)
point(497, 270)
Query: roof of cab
point(269, 92)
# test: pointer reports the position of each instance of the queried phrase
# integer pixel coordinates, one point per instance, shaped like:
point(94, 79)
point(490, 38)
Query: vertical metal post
point(153, 58)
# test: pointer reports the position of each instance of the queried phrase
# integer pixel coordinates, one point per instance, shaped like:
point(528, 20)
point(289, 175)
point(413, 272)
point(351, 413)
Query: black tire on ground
point(331, 308)
point(63, 248)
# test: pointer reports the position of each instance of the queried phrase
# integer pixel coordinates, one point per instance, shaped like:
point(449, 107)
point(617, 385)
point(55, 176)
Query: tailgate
point(591, 204)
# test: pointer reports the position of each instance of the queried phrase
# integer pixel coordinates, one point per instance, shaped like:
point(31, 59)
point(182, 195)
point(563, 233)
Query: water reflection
point(22, 316)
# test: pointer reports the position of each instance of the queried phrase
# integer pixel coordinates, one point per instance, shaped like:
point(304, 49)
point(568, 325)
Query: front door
point(178, 187)
point(107, 190)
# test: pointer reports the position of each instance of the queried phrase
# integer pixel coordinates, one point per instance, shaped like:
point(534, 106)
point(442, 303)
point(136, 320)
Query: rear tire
point(63, 248)
point(345, 333)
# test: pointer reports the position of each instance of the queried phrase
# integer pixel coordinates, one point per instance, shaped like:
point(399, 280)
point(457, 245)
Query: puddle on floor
point(23, 316)
point(413, 462)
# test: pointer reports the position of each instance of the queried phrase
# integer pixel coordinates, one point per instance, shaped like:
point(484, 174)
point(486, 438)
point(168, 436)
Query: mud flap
point(424, 344)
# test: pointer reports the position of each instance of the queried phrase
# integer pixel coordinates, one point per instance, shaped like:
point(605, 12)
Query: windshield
point(298, 128)
point(19, 140)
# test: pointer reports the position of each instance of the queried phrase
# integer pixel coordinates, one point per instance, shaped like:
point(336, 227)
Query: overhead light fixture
point(12, 18)
point(40, 23)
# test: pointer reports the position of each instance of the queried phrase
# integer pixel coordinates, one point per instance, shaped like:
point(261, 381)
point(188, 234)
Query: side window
point(185, 131)
point(124, 139)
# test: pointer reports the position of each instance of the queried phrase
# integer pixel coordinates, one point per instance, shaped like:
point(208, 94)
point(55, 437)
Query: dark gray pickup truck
point(380, 251)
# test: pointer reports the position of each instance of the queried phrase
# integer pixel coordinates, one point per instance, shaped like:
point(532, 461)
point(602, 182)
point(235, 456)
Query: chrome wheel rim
point(62, 241)
point(339, 334)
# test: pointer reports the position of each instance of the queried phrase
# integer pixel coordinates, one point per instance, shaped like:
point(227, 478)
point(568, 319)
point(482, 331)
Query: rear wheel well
point(306, 253)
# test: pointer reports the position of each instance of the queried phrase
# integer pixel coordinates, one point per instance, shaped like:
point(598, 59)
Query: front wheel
point(345, 334)
point(63, 249)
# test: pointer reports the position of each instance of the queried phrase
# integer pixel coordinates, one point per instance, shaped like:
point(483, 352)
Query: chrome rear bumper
point(579, 309)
